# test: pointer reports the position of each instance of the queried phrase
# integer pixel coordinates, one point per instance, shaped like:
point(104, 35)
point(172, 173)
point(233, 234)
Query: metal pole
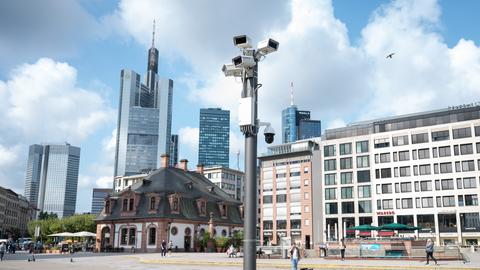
point(250, 221)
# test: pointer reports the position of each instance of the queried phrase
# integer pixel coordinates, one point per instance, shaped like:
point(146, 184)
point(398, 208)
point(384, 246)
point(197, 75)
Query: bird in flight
point(390, 55)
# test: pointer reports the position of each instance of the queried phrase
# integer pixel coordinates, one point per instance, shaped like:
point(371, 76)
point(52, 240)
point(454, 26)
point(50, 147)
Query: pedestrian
point(164, 248)
point(324, 248)
point(342, 249)
point(429, 251)
point(170, 247)
point(2, 250)
point(294, 256)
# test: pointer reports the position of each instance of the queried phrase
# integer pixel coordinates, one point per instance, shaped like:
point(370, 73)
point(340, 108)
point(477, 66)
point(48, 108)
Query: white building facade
point(230, 180)
point(421, 170)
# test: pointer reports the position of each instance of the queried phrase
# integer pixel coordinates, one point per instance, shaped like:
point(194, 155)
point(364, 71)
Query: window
point(364, 192)
point(381, 143)
point(362, 147)
point(330, 179)
point(420, 138)
point(448, 201)
point(456, 150)
point(383, 173)
point(107, 207)
point(152, 235)
point(471, 200)
point(346, 177)
point(395, 156)
point(424, 169)
point(281, 198)
point(123, 237)
point(152, 203)
point(330, 194)
point(281, 224)
point(440, 136)
point(458, 168)
point(131, 236)
point(446, 167)
point(125, 205)
point(386, 188)
point(387, 204)
point(329, 150)
point(469, 182)
point(460, 133)
point(444, 151)
point(384, 157)
point(407, 203)
point(478, 147)
point(406, 187)
point(330, 164)
point(305, 182)
point(130, 205)
point(466, 149)
point(404, 171)
point(331, 208)
point(427, 202)
point(468, 166)
point(268, 225)
point(447, 184)
point(403, 155)
point(347, 192)
point(363, 176)
point(400, 140)
point(435, 152)
point(414, 154)
point(477, 131)
point(362, 162)
point(423, 153)
point(306, 196)
point(364, 206)
point(175, 204)
point(348, 208)
point(345, 148)
point(267, 199)
point(345, 163)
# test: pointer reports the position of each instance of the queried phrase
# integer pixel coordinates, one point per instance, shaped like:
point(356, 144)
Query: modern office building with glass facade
point(297, 125)
point(52, 178)
point(174, 150)
point(309, 129)
point(98, 199)
point(144, 119)
point(214, 137)
point(418, 169)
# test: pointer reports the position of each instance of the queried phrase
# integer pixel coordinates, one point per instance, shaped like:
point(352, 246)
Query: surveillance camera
point(231, 70)
point(269, 133)
point(242, 41)
point(267, 46)
point(243, 61)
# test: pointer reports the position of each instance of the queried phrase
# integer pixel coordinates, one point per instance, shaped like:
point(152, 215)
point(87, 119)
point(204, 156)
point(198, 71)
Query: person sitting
point(231, 252)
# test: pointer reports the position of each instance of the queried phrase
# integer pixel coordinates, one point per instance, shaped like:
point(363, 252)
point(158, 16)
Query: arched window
point(224, 232)
point(152, 235)
point(188, 231)
point(131, 236)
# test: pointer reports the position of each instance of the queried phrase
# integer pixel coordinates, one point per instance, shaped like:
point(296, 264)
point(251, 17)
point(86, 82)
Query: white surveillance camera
point(242, 41)
point(269, 133)
point(231, 70)
point(243, 61)
point(267, 46)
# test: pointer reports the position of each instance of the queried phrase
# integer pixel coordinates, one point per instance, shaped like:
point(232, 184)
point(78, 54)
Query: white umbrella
point(84, 234)
point(62, 234)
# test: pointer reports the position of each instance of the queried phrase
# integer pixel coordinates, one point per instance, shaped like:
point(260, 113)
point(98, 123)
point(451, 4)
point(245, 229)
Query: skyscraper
point(98, 199)
point(144, 119)
point(214, 137)
point(52, 177)
point(309, 129)
point(174, 150)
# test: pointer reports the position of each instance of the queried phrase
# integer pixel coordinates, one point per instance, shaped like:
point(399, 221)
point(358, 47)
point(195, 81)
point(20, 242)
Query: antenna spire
point(291, 93)
point(153, 34)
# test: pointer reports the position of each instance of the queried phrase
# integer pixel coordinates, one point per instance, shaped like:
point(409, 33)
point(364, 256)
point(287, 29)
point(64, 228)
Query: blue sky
point(61, 60)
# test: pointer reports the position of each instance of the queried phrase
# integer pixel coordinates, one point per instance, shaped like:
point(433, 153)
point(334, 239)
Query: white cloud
point(188, 142)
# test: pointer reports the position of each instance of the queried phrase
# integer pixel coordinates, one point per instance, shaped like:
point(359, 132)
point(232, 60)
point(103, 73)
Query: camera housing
point(269, 134)
point(231, 70)
point(243, 61)
point(267, 46)
point(242, 41)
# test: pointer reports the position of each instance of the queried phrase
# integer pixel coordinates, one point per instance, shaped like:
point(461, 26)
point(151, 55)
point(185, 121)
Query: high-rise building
point(214, 137)
point(419, 169)
point(174, 150)
point(289, 126)
point(230, 180)
point(144, 119)
point(309, 129)
point(98, 199)
point(52, 178)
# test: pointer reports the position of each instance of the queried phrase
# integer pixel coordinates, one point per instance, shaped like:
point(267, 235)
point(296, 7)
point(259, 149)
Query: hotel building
point(418, 169)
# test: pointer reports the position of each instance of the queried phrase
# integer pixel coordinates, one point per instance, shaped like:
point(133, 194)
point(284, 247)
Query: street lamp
point(245, 66)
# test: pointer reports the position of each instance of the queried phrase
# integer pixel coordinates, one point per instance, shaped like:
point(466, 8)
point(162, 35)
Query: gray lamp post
point(245, 66)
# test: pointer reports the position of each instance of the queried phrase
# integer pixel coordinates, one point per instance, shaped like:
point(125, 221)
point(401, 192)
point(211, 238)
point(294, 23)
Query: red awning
point(364, 233)
point(385, 233)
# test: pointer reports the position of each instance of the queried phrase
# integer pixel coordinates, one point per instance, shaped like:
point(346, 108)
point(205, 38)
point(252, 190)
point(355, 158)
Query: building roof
point(189, 185)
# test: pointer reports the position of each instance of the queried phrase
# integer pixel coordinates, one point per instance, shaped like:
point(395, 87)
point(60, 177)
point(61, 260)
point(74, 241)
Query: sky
point(61, 61)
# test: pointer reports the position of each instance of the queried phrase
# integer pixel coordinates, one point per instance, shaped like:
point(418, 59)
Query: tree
point(51, 224)
point(45, 215)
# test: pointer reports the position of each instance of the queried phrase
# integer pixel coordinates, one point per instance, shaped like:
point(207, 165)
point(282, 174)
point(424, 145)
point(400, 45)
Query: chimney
point(184, 164)
point(200, 168)
point(165, 161)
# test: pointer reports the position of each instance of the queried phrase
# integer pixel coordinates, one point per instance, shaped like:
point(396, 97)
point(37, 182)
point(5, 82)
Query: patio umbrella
point(62, 234)
point(84, 234)
point(364, 227)
point(398, 226)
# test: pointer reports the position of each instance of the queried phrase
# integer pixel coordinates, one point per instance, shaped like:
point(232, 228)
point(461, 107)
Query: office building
point(230, 180)
point(418, 169)
point(98, 199)
point(15, 213)
point(214, 137)
point(52, 177)
point(308, 129)
point(174, 150)
point(144, 119)
point(289, 183)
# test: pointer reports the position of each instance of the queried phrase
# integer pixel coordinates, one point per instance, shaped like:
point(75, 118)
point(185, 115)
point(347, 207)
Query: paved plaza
point(211, 261)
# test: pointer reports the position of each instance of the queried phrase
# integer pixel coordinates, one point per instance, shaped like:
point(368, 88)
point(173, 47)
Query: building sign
point(295, 233)
point(461, 106)
point(385, 213)
point(281, 234)
point(267, 233)
point(370, 246)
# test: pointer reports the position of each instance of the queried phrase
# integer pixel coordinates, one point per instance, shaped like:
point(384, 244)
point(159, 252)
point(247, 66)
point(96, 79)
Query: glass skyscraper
point(214, 137)
point(297, 125)
point(52, 178)
point(174, 150)
point(289, 124)
point(309, 129)
point(144, 119)
point(98, 199)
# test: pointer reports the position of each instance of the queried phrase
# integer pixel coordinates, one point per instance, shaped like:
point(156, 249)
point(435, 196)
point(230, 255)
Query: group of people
point(166, 247)
point(9, 247)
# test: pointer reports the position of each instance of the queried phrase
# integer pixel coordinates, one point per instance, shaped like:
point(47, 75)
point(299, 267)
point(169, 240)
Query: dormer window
point(175, 204)
point(152, 203)
point(203, 208)
point(223, 210)
point(174, 200)
point(130, 205)
point(125, 205)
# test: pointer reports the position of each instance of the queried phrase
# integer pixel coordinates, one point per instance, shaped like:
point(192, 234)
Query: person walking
point(164, 248)
point(170, 247)
point(294, 256)
point(2, 250)
point(323, 248)
point(342, 249)
point(429, 251)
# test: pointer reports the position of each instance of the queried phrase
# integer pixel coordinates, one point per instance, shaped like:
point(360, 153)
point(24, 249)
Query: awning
point(385, 233)
point(365, 233)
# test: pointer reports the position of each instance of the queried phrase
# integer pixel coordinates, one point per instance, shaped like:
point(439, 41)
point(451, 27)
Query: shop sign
point(295, 233)
point(385, 213)
point(282, 234)
point(370, 246)
point(267, 233)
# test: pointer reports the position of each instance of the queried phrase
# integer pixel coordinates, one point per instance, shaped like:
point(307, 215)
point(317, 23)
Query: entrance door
point(105, 239)
point(187, 243)
point(307, 241)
